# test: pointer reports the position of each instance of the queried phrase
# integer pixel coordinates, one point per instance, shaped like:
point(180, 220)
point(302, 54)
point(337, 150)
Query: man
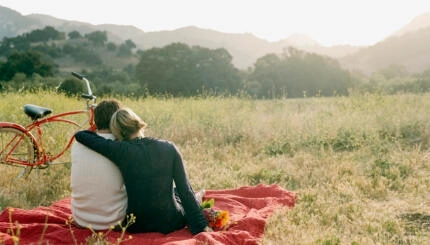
point(99, 196)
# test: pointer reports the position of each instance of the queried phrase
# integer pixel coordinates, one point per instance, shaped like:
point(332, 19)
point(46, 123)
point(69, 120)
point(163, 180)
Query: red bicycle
point(23, 148)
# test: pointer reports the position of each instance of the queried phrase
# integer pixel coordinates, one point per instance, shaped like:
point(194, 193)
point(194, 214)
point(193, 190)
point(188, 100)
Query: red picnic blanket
point(248, 207)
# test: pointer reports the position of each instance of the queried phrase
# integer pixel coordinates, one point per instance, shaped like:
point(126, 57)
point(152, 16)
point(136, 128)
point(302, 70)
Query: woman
point(149, 167)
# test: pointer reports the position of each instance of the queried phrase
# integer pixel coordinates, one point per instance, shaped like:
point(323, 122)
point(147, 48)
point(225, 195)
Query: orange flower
point(216, 219)
point(223, 216)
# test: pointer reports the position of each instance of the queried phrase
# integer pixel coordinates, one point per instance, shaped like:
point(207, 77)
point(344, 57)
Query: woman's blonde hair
point(125, 123)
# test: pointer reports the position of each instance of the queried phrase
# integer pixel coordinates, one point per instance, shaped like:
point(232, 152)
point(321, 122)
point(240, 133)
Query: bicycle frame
point(42, 156)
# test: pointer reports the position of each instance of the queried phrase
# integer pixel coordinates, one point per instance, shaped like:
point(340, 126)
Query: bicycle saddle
point(35, 111)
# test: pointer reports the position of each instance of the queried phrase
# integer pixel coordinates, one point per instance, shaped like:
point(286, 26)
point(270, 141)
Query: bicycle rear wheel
point(15, 145)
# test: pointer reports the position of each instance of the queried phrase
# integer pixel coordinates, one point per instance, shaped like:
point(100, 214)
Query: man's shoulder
point(81, 153)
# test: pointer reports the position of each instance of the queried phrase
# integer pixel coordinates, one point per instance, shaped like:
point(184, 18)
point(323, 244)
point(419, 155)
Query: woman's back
point(149, 167)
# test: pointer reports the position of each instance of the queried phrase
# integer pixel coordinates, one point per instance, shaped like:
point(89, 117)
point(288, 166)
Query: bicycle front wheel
point(16, 150)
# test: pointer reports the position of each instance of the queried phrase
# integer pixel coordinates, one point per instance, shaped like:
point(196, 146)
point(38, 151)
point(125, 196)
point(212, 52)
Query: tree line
point(176, 69)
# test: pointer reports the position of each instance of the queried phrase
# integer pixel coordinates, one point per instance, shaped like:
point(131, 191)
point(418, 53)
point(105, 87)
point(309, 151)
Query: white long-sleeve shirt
point(99, 197)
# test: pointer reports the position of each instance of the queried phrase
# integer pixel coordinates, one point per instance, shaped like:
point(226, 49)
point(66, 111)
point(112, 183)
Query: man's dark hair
point(104, 111)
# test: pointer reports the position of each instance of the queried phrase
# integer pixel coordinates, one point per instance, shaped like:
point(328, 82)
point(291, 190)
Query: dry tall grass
point(359, 164)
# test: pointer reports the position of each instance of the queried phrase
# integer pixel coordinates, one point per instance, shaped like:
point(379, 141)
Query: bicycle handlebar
point(77, 75)
point(82, 77)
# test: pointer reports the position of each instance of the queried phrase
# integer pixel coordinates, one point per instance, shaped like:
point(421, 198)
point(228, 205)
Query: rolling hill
point(244, 47)
point(407, 47)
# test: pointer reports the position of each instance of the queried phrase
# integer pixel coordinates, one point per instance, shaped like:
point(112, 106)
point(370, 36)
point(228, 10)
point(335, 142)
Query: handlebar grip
point(77, 75)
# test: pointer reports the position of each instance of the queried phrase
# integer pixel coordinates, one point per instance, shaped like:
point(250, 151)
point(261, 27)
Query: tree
point(9, 45)
point(86, 56)
point(130, 44)
point(98, 38)
point(25, 62)
point(71, 87)
point(82, 54)
point(125, 49)
point(74, 35)
point(24, 42)
point(265, 81)
point(296, 73)
point(111, 46)
point(46, 34)
point(178, 69)
point(51, 50)
point(394, 71)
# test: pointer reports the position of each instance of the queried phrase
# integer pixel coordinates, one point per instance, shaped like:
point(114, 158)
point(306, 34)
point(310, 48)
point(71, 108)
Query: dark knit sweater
point(149, 167)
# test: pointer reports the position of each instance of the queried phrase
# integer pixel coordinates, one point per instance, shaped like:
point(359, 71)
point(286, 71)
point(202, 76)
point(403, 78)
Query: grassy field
point(359, 164)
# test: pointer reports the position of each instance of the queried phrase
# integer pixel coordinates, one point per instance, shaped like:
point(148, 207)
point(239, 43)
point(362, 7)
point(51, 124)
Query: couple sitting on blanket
point(143, 176)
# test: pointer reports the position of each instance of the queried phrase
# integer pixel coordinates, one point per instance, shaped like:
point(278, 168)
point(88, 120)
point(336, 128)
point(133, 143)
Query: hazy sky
point(329, 22)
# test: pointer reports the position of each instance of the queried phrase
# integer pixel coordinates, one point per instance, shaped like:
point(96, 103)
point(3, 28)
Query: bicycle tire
point(25, 150)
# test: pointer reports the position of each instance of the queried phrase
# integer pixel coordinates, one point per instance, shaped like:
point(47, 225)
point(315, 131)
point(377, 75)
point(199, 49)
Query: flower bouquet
point(217, 219)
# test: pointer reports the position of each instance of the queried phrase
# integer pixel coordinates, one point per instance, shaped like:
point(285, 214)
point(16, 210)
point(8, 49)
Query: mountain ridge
point(419, 22)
